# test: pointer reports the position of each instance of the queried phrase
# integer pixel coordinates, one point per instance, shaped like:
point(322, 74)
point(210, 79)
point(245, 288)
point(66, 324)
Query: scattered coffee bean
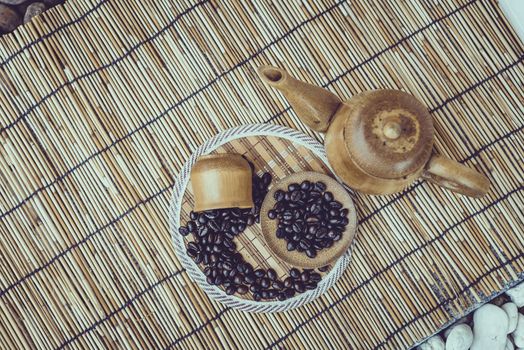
point(242, 289)
point(294, 273)
point(213, 245)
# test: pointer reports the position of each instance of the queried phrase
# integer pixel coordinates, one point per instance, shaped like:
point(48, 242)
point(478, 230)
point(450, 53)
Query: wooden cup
point(222, 180)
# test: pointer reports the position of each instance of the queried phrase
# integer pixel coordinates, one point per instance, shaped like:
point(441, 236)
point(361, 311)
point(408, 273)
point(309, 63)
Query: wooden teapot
point(379, 141)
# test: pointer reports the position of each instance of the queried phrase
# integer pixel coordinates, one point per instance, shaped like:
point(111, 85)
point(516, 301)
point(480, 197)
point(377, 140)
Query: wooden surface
point(102, 101)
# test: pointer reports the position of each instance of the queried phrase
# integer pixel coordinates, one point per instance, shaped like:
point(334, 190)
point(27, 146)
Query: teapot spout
point(314, 105)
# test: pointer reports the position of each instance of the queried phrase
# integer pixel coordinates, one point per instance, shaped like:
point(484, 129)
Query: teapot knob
point(392, 130)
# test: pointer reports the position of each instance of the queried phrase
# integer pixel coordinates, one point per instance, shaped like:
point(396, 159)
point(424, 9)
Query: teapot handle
point(456, 177)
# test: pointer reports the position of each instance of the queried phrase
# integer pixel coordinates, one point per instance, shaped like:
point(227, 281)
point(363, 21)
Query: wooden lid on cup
point(389, 133)
point(221, 180)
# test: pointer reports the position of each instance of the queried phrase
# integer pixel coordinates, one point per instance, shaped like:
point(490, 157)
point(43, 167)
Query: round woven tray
point(281, 151)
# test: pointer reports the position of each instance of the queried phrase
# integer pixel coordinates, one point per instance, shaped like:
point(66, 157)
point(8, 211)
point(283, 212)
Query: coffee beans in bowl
point(308, 219)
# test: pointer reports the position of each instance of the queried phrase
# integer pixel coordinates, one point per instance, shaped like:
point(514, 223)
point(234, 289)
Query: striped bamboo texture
point(103, 101)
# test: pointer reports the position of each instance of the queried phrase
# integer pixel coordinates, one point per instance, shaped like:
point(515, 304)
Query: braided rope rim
point(197, 274)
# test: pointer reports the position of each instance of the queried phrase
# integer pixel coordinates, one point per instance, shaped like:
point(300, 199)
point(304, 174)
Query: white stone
point(433, 343)
point(465, 319)
point(490, 324)
point(513, 316)
point(518, 334)
point(460, 337)
point(517, 295)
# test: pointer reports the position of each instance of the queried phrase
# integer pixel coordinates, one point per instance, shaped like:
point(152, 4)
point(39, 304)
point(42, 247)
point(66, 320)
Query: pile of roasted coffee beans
point(213, 247)
point(309, 217)
point(15, 12)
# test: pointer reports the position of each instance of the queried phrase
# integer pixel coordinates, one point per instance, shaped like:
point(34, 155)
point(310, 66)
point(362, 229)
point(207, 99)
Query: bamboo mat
point(102, 102)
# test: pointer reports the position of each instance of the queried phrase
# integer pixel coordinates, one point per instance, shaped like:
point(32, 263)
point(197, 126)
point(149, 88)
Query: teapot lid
point(389, 133)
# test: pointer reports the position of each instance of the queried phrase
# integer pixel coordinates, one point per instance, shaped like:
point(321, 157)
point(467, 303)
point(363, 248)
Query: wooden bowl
point(222, 180)
point(325, 256)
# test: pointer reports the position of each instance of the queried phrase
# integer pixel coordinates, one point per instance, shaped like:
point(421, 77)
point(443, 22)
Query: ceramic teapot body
point(379, 141)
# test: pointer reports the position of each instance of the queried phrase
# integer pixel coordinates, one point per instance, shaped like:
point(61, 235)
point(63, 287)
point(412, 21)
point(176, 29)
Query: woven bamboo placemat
point(102, 102)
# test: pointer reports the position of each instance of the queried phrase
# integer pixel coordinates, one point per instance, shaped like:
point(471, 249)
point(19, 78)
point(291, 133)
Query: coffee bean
point(210, 280)
point(192, 252)
point(295, 196)
point(311, 252)
point(305, 185)
point(314, 277)
point(218, 280)
point(248, 269)
point(259, 273)
point(290, 292)
point(291, 245)
point(254, 288)
point(231, 290)
point(313, 196)
point(266, 179)
point(238, 279)
point(288, 282)
point(293, 187)
point(294, 273)
point(184, 231)
point(297, 228)
point(304, 276)
point(281, 296)
point(323, 268)
point(278, 285)
point(193, 215)
point(299, 286)
point(321, 233)
point(213, 225)
point(242, 290)
point(278, 195)
point(202, 219)
point(271, 294)
point(265, 282)
point(287, 215)
point(250, 220)
point(304, 244)
point(320, 186)
point(310, 286)
point(257, 296)
point(271, 274)
point(272, 214)
point(249, 278)
point(202, 231)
